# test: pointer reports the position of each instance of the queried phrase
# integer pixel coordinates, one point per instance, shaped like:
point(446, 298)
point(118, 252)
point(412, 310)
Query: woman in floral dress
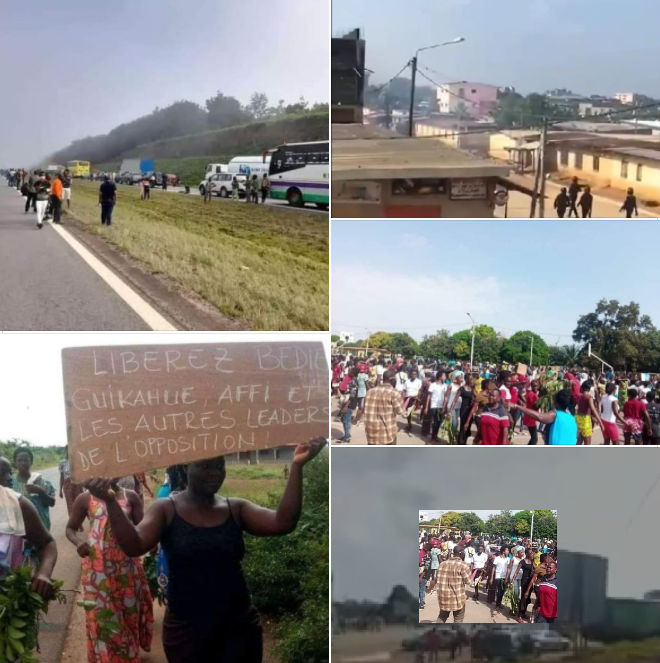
point(118, 604)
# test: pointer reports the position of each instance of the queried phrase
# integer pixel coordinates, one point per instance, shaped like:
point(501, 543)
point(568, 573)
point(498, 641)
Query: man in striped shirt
point(382, 405)
point(453, 578)
point(494, 422)
point(546, 601)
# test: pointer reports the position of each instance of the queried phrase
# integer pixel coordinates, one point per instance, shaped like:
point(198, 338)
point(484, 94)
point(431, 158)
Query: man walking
point(265, 188)
point(31, 193)
point(56, 194)
point(382, 405)
point(66, 187)
point(452, 579)
point(586, 202)
point(41, 195)
point(478, 564)
point(498, 575)
point(573, 192)
point(107, 200)
point(546, 602)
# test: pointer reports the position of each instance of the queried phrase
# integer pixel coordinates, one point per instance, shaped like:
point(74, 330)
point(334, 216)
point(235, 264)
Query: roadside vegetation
point(265, 266)
point(43, 456)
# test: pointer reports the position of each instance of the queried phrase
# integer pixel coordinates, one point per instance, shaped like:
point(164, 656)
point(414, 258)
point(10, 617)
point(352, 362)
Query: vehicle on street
point(79, 168)
point(299, 173)
point(220, 185)
point(213, 168)
point(249, 166)
point(546, 641)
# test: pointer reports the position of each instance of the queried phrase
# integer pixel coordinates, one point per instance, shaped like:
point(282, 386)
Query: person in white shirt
point(479, 560)
point(434, 403)
point(411, 390)
point(609, 408)
point(401, 379)
point(498, 574)
point(380, 369)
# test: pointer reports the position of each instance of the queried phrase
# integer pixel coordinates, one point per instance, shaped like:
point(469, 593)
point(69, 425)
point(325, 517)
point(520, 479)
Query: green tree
point(516, 348)
point(545, 524)
point(486, 343)
point(403, 344)
point(502, 523)
point(461, 350)
point(522, 527)
point(258, 106)
point(334, 338)
point(437, 346)
point(380, 339)
point(451, 519)
point(471, 522)
point(225, 111)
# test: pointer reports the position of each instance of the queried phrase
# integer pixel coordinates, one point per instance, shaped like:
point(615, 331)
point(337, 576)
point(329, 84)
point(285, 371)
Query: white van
point(249, 166)
point(213, 168)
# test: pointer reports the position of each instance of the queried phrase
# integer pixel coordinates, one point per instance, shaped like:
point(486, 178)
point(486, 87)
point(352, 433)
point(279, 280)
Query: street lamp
point(472, 349)
point(413, 63)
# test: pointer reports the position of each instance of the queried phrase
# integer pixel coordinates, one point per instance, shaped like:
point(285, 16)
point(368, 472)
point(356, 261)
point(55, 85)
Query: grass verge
point(268, 267)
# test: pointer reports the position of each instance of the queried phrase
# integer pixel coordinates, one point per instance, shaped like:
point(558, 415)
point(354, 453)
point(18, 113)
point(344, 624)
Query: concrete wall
point(609, 173)
point(437, 206)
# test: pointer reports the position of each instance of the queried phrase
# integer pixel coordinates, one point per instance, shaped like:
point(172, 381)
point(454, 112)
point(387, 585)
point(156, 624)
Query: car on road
point(547, 641)
point(220, 185)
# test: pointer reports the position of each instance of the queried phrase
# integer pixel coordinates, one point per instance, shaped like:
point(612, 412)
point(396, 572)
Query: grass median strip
point(266, 266)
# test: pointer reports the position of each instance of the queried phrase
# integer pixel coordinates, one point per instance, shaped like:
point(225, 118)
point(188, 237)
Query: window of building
point(563, 158)
point(578, 160)
point(624, 169)
point(461, 92)
point(596, 163)
point(474, 92)
point(639, 172)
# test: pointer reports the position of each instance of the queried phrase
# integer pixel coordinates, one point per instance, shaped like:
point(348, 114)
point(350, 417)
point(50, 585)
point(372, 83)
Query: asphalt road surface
point(53, 628)
point(45, 284)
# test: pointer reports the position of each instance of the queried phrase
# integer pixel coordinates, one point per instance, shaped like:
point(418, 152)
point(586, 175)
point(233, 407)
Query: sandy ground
point(358, 435)
point(476, 612)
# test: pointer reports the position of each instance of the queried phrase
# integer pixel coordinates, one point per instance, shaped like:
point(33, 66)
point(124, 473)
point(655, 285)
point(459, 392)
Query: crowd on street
point(453, 403)
point(197, 534)
point(506, 571)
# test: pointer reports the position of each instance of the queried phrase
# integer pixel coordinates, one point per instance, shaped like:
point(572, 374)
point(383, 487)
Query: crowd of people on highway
point(199, 535)
point(454, 403)
point(451, 565)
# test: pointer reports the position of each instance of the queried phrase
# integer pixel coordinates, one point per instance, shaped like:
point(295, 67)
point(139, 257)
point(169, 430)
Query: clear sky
point(78, 67)
point(606, 501)
point(423, 276)
point(590, 46)
point(31, 396)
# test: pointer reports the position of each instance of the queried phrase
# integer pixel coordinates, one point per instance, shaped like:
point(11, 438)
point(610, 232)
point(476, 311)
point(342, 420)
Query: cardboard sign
point(134, 408)
point(521, 369)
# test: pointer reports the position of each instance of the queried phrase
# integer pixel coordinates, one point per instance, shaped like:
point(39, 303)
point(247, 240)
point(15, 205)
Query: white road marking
point(147, 312)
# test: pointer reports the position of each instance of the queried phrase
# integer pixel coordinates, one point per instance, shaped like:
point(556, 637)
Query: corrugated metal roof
point(639, 152)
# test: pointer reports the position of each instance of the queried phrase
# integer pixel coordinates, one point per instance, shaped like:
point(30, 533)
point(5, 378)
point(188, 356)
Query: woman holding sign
point(209, 616)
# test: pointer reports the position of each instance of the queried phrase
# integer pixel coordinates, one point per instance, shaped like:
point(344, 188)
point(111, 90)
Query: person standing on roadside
point(107, 200)
point(31, 193)
point(164, 180)
point(265, 188)
point(248, 189)
point(234, 188)
point(41, 198)
point(573, 192)
point(66, 187)
point(56, 195)
point(255, 189)
point(586, 202)
point(630, 204)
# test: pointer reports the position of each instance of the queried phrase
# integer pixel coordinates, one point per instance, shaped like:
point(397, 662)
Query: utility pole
point(544, 141)
point(531, 531)
point(472, 348)
point(413, 64)
point(531, 350)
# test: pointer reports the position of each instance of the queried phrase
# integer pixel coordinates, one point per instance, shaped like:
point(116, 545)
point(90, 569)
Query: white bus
point(249, 166)
point(299, 173)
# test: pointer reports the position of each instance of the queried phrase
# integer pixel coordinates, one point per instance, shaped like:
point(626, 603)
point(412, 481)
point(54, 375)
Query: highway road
point(47, 285)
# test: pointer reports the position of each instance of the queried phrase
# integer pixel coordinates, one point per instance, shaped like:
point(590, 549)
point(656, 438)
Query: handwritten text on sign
point(133, 408)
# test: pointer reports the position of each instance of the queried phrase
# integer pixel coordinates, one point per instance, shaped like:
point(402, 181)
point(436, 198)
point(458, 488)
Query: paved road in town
point(45, 284)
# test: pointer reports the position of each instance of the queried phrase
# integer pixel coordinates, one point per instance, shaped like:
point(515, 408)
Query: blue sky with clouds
point(591, 46)
point(513, 275)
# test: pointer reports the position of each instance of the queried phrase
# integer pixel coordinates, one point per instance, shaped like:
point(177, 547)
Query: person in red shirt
point(494, 421)
point(546, 596)
point(531, 397)
point(633, 412)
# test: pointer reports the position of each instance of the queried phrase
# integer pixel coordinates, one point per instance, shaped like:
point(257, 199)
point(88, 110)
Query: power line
point(443, 86)
point(384, 85)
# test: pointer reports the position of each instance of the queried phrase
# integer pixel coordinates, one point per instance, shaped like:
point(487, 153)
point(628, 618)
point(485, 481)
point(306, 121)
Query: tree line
point(618, 333)
point(505, 523)
point(180, 119)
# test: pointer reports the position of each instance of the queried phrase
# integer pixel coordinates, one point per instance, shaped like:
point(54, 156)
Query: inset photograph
point(455, 119)
point(487, 566)
point(451, 334)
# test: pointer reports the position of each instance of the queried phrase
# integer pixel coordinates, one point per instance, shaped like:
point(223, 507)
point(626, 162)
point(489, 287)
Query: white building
point(475, 100)
point(627, 98)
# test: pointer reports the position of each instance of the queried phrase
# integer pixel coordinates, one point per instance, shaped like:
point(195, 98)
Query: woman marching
point(119, 617)
point(210, 616)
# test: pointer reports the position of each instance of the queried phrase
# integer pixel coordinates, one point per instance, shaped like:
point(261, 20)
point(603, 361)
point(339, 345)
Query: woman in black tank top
point(210, 617)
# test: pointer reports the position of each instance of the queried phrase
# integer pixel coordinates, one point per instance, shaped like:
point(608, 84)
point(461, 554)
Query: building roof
point(638, 152)
point(364, 156)
point(594, 127)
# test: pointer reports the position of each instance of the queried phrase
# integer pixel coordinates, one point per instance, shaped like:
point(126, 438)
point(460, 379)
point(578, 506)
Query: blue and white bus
point(299, 173)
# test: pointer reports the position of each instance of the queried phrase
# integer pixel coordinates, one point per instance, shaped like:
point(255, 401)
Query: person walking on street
point(586, 202)
point(66, 187)
point(573, 192)
point(31, 194)
point(382, 405)
point(107, 200)
point(630, 204)
point(561, 202)
point(234, 188)
point(164, 180)
point(452, 579)
point(56, 195)
point(498, 574)
point(562, 424)
point(255, 189)
point(41, 195)
point(265, 188)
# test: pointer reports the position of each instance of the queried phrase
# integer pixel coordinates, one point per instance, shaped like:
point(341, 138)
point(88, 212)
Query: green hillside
point(182, 155)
